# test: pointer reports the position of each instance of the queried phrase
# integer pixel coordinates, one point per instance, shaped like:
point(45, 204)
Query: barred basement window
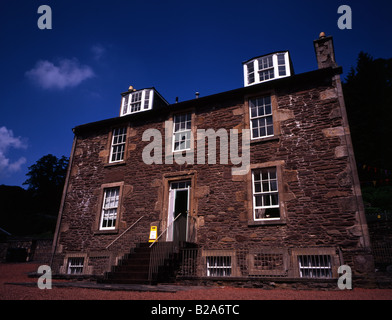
point(219, 266)
point(118, 144)
point(75, 265)
point(315, 266)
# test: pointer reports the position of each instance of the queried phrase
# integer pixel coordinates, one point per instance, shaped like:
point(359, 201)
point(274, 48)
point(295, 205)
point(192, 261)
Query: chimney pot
point(324, 50)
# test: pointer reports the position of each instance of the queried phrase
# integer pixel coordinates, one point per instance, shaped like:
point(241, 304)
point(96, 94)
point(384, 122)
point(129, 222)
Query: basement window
point(268, 67)
point(315, 266)
point(218, 266)
point(75, 265)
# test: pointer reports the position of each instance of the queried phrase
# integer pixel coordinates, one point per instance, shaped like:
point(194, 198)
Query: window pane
point(282, 70)
point(259, 200)
point(268, 109)
point(274, 199)
point(281, 59)
point(260, 111)
point(253, 112)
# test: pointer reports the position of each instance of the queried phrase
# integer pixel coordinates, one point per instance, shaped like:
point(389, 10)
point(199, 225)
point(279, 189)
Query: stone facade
point(320, 203)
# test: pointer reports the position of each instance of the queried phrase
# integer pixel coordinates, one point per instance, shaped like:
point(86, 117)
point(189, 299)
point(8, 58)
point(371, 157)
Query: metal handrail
point(165, 230)
point(123, 232)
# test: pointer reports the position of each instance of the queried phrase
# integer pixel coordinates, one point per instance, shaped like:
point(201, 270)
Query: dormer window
point(134, 101)
point(137, 101)
point(269, 67)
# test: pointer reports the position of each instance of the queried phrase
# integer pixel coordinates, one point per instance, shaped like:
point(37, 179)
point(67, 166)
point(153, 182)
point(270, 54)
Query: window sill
point(262, 140)
point(98, 232)
point(114, 164)
point(253, 223)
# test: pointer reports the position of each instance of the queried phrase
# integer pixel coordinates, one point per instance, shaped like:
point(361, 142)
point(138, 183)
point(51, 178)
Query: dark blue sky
point(53, 80)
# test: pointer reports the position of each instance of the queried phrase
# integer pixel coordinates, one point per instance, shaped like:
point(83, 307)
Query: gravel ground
point(18, 273)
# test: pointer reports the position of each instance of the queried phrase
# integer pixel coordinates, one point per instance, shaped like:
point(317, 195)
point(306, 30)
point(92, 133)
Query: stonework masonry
point(318, 187)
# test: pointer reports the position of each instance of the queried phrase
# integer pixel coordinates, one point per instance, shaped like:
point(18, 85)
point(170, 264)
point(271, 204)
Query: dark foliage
point(368, 96)
point(34, 211)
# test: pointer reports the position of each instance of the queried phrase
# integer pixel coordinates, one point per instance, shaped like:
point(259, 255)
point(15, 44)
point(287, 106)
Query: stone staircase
point(134, 267)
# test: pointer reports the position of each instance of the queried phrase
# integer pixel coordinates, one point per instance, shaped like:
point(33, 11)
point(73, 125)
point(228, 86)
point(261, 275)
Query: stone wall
point(316, 183)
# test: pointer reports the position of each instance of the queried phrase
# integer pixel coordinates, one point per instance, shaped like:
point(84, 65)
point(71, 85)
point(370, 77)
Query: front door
point(178, 211)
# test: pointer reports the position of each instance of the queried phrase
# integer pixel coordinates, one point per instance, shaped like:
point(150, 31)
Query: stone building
point(257, 182)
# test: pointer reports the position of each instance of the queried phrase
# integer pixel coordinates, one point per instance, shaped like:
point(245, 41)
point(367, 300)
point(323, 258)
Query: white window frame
point(117, 149)
point(182, 132)
point(260, 111)
point(142, 97)
point(255, 67)
point(273, 190)
point(110, 205)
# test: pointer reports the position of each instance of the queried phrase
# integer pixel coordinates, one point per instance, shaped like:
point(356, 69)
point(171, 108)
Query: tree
point(368, 95)
point(46, 182)
point(33, 212)
point(47, 173)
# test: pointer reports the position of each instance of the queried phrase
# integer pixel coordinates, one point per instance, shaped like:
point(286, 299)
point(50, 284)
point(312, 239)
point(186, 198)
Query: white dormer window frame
point(265, 68)
point(137, 101)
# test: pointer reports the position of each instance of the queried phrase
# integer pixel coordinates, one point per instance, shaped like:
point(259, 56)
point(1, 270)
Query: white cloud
point(7, 141)
point(68, 73)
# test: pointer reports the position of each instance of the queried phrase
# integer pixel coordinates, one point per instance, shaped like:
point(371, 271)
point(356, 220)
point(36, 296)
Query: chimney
point(325, 53)
point(197, 95)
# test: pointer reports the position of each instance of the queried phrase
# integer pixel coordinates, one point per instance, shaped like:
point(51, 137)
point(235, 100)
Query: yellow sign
point(153, 233)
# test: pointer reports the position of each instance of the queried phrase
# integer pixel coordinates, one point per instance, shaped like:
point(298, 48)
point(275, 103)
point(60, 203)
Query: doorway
point(178, 211)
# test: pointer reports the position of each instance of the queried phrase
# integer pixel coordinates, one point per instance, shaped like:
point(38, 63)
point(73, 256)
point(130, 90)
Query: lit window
point(75, 265)
point(315, 266)
point(118, 144)
point(109, 208)
point(182, 132)
point(265, 194)
point(260, 112)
